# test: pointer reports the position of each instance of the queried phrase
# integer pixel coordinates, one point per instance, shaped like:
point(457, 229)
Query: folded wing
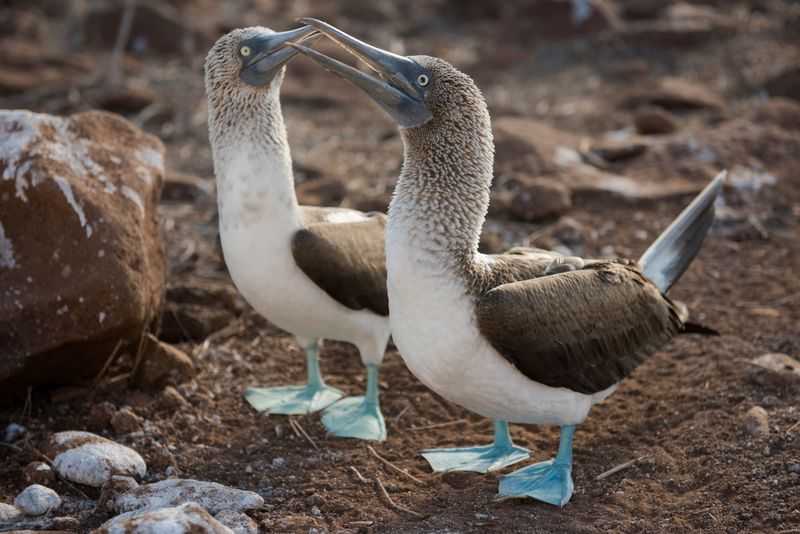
point(347, 260)
point(583, 329)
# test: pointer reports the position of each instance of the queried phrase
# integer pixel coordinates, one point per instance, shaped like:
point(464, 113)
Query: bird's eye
point(422, 80)
point(245, 50)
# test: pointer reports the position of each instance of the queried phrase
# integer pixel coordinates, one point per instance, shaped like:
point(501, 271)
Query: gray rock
point(757, 421)
point(238, 522)
point(172, 492)
point(187, 518)
point(13, 432)
point(8, 515)
point(37, 500)
point(89, 459)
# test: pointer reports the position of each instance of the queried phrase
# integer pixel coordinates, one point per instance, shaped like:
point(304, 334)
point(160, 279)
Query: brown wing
point(347, 260)
point(584, 330)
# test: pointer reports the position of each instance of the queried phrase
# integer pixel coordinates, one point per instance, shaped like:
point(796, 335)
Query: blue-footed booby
point(529, 336)
point(318, 273)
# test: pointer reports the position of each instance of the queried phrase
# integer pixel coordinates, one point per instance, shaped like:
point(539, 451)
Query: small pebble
point(248, 469)
point(101, 413)
point(38, 473)
point(278, 462)
point(794, 468)
point(315, 511)
point(13, 432)
point(37, 500)
point(170, 399)
point(126, 421)
point(757, 421)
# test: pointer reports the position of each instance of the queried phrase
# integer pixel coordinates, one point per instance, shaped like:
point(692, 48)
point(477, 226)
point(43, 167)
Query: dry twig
point(106, 365)
point(619, 468)
point(394, 504)
point(402, 413)
point(390, 464)
point(793, 427)
point(438, 425)
point(358, 475)
point(301, 432)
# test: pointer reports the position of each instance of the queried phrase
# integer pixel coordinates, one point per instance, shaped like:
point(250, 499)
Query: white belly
point(433, 326)
point(266, 275)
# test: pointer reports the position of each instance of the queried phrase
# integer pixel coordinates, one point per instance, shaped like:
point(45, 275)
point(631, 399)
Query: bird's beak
point(267, 53)
point(394, 88)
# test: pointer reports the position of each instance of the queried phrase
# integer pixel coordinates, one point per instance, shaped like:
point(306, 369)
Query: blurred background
point(608, 115)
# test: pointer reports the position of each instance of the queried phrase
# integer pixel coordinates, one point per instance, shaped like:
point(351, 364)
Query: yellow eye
point(245, 50)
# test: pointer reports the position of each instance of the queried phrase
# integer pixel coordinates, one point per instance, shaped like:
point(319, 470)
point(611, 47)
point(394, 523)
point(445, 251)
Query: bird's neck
point(253, 166)
point(442, 196)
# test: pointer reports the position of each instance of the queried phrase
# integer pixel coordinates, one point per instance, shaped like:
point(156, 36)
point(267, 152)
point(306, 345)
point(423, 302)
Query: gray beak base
point(395, 88)
point(268, 53)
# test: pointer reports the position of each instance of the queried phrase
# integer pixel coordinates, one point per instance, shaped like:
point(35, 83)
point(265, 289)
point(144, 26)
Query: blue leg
point(500, 454)
point(549, 481)
point(312, 397)
point(358, 417)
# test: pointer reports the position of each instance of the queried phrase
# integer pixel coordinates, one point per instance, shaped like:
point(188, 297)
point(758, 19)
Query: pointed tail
point(669, 255)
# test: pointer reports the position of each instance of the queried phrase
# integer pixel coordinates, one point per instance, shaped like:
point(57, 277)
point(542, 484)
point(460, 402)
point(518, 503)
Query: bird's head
point(247, 62)
point(418, 92)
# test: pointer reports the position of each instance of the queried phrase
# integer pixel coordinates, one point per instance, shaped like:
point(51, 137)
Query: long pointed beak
point(393, 89)
point(268, 53)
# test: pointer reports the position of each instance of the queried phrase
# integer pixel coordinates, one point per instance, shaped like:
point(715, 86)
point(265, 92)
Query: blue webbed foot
point(354, 417)
point(549, 481)
point(544, 481)
point(481, 459)
point(291, 400)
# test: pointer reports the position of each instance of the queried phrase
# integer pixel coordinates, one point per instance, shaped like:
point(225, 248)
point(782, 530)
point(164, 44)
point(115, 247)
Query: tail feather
point(671, 253)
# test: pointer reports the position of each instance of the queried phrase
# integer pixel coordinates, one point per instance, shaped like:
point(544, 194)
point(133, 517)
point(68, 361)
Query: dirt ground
point(680, 415)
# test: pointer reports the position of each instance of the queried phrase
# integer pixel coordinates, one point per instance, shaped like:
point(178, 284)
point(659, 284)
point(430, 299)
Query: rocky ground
point(616, 119)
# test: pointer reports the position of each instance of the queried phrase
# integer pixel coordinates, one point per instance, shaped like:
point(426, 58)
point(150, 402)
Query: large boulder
point(81, 255)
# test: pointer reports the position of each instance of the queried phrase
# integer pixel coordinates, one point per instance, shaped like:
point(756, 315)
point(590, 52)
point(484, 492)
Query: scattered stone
point(776, 370)
point(674, 94)
point(757, 421)
point(13, 432)
point(193, 312)
point(160, 363)
point(794, 468)
point(126, 421)
point(780, 111)
point(189, 518)
point(654, 120)
point(325, 191)
point(8, 515)
point(68, 296)
point(182, 187)
point(37, 500)
point(172, 492)
point(162, 458)
point(170, 399)
point(89, 459)
point(526, 145)
point(787, 84)
point(238, 522)
point(540, 199)
point(101, 413)
point(114, 487)
point(613, 150)
point(38, 473)
point(64, 525)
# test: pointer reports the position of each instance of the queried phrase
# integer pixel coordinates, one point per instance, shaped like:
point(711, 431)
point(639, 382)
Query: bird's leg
point(482, 459)
point(358, 417)
point(312, 397)
point(549, 481)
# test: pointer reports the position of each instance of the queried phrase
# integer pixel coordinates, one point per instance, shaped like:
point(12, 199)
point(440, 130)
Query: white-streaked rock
point(171, 492)
point(37, 500)
point(187, 518)
point(90, 459)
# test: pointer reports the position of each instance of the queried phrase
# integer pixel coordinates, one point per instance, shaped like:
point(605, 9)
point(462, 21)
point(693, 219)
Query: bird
point(317, 273)
point(530, 336)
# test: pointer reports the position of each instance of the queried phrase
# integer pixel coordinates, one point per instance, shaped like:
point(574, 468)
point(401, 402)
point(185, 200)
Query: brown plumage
point(583, 329)
point(346, 259)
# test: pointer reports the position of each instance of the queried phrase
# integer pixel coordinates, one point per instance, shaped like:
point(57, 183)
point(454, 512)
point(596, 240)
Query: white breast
point(258, 217)
point(433, 326)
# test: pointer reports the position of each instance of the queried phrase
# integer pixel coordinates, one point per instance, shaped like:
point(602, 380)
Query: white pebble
point(37, 500)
